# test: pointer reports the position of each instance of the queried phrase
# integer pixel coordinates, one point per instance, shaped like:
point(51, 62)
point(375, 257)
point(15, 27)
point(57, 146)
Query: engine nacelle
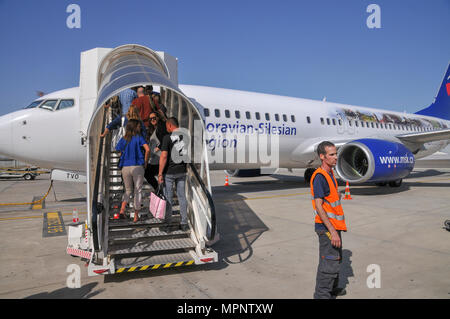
point(373, 160)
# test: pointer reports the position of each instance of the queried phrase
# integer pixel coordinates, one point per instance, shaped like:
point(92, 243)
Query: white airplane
point(375, 145)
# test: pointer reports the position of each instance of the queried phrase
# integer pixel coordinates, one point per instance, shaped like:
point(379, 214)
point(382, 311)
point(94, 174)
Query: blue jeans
point(180, 181)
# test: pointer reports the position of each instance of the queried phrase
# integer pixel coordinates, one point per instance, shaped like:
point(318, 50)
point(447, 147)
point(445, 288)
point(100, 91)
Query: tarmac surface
point(268, 247)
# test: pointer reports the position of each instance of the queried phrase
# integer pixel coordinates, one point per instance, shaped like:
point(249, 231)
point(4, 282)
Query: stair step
point(115, 184)
point(153, 262)
point(118, 236)
point(151, 222)
point(115, 191)
point(151, 246)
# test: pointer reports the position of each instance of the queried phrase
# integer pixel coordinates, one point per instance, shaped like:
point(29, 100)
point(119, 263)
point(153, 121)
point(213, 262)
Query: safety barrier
point(30, 203)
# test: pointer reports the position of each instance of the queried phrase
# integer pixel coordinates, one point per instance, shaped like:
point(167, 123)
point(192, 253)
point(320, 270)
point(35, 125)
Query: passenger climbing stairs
point(149, 243)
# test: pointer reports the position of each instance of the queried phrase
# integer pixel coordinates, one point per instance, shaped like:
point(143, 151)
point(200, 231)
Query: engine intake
point(373, 160)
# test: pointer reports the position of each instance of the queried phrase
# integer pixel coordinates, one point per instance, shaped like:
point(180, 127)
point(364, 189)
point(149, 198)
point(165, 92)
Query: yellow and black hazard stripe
point(157, 266)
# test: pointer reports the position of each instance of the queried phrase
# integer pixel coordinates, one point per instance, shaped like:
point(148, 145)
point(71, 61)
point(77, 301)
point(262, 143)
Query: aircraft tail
point(441, 105)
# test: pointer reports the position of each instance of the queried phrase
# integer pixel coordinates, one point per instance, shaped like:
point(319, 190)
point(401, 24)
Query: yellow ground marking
point(31, 217)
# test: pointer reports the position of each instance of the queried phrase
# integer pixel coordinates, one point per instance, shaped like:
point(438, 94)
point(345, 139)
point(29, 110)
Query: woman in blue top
point(133, 164)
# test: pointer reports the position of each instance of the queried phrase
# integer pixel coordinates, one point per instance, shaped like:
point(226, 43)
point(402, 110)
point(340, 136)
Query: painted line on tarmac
point(37, 204)
point(53, 225)
point(32, 217)
point(262, 197)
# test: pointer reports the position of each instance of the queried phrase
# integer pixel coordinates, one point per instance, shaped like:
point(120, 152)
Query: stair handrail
point(96, 236)
point(212, 232)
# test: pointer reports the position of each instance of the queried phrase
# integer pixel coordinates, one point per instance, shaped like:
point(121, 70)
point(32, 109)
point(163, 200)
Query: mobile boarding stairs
point(111, 245)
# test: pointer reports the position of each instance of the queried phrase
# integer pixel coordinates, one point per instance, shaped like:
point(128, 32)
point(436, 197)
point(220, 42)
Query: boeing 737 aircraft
point(374, 145)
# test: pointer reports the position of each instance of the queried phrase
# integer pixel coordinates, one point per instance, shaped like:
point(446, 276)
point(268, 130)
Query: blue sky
point(308, 49)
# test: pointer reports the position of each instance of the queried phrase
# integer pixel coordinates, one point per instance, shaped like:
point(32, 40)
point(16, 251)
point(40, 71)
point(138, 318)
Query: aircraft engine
point(373, 160)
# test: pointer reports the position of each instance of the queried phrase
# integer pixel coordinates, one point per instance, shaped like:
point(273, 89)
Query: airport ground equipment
point(112, 245)
point(28, 173)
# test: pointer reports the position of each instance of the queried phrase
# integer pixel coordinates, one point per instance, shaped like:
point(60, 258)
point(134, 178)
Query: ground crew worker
point(329, 223)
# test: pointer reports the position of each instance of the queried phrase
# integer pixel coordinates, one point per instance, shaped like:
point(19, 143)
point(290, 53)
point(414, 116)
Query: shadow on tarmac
point(239, 228)
point(84, 292)
point(346, 268)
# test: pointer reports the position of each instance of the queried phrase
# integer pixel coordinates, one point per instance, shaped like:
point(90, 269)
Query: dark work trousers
point(151, 173)
point(330, 259)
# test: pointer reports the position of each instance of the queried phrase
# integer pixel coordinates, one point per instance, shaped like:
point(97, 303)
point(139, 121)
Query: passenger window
point(258, 116)
point(371, 124)
point(322, 121)
point(328, 121)
point(356, 123)
point(334, 121)
point(293, 118)
point(350, 123)
point(277, 117)
point(362, 124)
point(206, 112)
point(227, 114)
point(64, 104)
point(308, 119)
point(267, 117)
point(247, 115)
point(217, 112)
point(284, 117)
point(49, 104)
point(376, 125)
point(237, 114)
point(340, 122)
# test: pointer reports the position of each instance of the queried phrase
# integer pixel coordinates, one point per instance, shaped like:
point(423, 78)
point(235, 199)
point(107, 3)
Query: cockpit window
point(49, 104)
point(33, 104)
point(63, 104)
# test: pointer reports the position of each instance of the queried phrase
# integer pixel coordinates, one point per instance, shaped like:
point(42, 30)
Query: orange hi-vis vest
point(331, 204)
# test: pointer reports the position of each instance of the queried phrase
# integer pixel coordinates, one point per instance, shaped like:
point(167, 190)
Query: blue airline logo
point(239, 128)
point(262, 128)
point(397, 159)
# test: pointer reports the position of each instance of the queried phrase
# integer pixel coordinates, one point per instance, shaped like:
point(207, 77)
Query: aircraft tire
point(396, 183)
point(308, 174)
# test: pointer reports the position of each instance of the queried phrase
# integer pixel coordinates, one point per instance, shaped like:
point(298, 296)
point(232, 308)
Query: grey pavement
point(268, 248)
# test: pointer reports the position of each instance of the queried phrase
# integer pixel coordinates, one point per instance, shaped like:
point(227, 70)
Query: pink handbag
point(158, 203)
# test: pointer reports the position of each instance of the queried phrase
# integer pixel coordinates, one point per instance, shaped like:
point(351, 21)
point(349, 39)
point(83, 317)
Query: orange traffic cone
point(347, 192)
point(226, 181)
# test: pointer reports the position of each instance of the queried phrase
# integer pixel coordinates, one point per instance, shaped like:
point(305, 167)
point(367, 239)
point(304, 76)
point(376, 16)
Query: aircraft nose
point(6, 134)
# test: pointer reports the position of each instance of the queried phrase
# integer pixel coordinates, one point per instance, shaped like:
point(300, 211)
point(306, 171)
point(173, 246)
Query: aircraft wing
point(425, 137)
